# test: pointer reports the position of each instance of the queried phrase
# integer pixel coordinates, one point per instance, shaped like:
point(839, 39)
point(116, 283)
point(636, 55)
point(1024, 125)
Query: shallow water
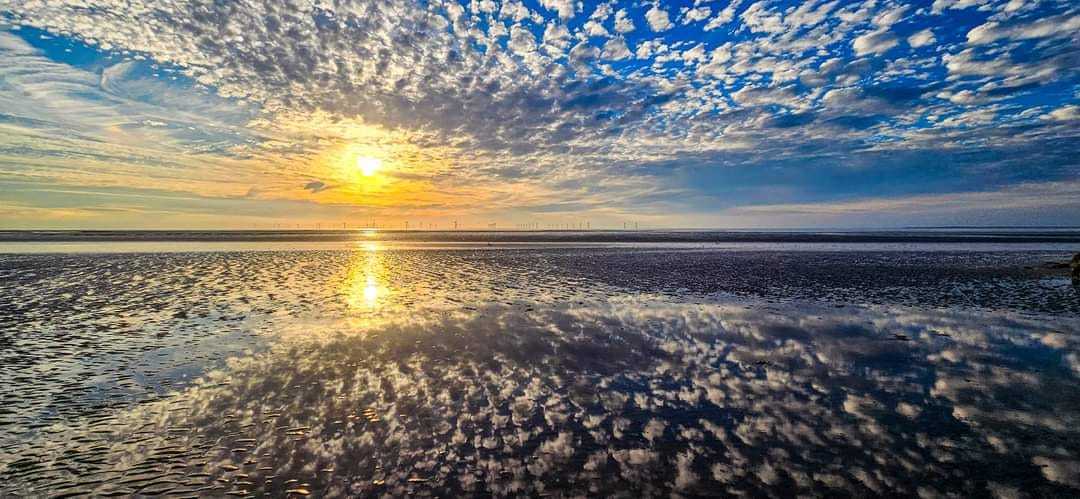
point(572, 371)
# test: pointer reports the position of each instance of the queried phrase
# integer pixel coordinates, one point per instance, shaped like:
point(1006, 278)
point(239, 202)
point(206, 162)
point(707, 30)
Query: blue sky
point(671, 114)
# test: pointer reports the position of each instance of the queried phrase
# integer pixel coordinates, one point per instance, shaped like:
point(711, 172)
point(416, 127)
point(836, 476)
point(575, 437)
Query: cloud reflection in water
point(631, 395)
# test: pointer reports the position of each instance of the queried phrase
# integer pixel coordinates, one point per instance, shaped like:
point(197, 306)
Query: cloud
point(623, 23)
point(697, 14)
point(922, 38)
point(565, 8)
point(891, 16)
point(875, 42)
point(1064, 25)
point(1064, 113)
point(616, 49)
point(522, 40)
point(940, 6)
point(658, 19)
point(593, 28)
point(724, 16)
point(760, 19)
point(556, 38)
point(316, 186)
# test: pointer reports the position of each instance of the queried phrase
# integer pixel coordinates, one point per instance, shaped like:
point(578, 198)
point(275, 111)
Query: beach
point(442, 365)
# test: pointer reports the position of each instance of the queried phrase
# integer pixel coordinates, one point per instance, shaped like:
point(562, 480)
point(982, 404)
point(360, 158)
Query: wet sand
point(563, 371)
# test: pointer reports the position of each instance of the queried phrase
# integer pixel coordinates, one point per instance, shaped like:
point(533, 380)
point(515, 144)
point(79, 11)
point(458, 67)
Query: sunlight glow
point(371, 292)
point(364, 287)
point(368, 165)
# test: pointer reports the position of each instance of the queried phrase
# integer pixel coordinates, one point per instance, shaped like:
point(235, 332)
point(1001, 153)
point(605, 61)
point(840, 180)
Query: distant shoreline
point(924, 235)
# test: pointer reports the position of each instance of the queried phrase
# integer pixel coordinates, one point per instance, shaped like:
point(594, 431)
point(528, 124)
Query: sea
point(925, 362)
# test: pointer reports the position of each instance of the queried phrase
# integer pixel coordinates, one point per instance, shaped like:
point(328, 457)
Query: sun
point(368, 165)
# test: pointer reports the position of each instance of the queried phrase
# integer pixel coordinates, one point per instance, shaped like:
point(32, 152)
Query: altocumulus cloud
point(685, 107)
point(316, 186)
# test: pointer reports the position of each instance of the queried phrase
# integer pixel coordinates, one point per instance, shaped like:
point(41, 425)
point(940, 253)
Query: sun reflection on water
point(365, 284)
point(371, 292)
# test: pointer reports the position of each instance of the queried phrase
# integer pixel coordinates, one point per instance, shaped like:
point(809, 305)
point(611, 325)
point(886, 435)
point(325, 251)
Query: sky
point(202, 114)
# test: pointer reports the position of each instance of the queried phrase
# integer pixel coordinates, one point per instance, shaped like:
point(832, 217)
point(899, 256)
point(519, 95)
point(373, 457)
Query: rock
point(1075, 269)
